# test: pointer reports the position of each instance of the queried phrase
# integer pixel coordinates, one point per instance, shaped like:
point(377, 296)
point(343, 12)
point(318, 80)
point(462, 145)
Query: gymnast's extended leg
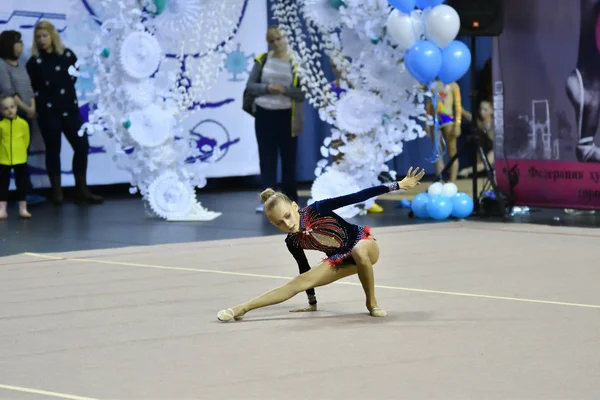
point(365, 254)
point(321, 275)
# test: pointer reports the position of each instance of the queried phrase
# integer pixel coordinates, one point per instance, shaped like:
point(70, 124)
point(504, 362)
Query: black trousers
point(274, 137)
point(52, 125)
point(21, 181)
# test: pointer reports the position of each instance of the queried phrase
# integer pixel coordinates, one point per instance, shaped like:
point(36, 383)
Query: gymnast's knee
point(365, 253)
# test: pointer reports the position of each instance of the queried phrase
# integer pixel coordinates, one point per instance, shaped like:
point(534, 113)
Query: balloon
point(442, 25)
point(400, 28)
point(439, 207)
point(462, 205)
point(428, 3)
point(449, 189)
point(406, 6)
point(456, 60)
point(161, 5)
point(423, 61)
point(435, 189)
point(419, 205)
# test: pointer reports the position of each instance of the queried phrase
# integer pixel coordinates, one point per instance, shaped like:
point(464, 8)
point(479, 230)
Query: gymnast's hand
point(412, 179)
point(312, 307)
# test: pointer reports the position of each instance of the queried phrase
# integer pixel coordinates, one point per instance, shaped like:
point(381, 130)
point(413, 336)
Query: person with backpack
point(274, 97)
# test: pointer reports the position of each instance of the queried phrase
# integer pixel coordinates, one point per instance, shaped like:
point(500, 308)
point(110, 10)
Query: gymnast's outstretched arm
point(412, 179)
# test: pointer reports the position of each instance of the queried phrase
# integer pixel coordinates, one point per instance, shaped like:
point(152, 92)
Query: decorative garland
point(155, 62)
point(374, 116)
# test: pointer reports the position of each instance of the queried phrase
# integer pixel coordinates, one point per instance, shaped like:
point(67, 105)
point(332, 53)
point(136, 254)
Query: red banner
point(550, 183)
point(547, 103)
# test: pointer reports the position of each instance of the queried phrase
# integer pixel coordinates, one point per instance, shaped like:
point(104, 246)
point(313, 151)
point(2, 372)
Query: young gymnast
point(350, 249)
point(449, 113)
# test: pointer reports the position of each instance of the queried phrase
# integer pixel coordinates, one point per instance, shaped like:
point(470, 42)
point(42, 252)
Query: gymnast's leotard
point(323, 230)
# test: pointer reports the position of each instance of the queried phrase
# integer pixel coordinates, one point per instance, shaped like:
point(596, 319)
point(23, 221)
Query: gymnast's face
point(285, 216)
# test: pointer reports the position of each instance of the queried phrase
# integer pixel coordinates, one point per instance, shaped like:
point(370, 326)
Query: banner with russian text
point(546, 73)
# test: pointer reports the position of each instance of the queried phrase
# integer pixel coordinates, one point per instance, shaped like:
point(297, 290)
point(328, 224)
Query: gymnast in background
point(449, 113)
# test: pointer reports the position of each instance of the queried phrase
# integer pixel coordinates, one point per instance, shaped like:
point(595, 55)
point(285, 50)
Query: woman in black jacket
point(58, 109)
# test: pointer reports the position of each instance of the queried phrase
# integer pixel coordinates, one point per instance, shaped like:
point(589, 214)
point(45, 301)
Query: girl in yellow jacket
point(14, 141)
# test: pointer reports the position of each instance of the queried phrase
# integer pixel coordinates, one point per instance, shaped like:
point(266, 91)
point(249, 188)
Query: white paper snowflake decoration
point(151, 126)
point(359, 111)
point(179, 19)
point(322, 14)
point(170, 197)
point(140, 55)
point(140, 93)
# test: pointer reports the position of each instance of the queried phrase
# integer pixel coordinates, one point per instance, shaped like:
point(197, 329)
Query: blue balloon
point(419, 205)
point(439, 207)
point(456, 60)
point(423, 61)
point(422, 4)
point(462, 205)
point(405, 6)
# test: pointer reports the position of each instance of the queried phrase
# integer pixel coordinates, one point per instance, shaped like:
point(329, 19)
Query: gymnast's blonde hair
point(271, 198)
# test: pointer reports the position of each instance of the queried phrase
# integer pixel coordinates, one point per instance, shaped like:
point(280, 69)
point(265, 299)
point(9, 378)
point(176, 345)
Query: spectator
point(279, 113)
point(58, 109)
point(15, 82)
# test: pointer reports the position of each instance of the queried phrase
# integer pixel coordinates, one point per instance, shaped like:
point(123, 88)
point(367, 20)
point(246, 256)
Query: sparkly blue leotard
point(323, 230)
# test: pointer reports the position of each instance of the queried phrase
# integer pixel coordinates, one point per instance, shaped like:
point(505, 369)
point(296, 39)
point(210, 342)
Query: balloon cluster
point(442, 201)
point(428, 35)
point(426, 30)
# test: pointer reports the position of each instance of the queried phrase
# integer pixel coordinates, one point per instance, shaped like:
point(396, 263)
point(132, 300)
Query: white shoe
point(260, 208)
point(228, 315)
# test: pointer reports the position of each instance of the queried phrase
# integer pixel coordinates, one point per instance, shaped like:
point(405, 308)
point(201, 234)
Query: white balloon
point(449, 189)
point(442, 25)
point(400, 28)
point(435, 189)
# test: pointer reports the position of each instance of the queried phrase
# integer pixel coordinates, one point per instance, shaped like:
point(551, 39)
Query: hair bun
point(266, 194)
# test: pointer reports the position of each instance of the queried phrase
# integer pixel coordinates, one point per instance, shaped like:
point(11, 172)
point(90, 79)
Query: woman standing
point(15, 82)
point(58, 109)
point(279, 113)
